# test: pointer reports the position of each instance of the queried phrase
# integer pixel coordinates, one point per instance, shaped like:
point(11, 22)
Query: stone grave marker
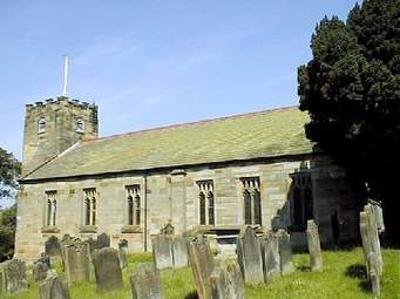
point(271, 256)
point(39, 270)
point(44, 258)
point(162, 251)
point(226, 281)
point(180, 252)
point(168, 230)
point(76, 260)
point(146, 283)
point(314, 246)
point(52, 247)
point(249, 256)
point(14, 276)
point(202, 264)
point(103, 240)
point(107, 270)
point(92, 244)
point(123, 253)
point(285, 252)
point(373, 273)
point(53, 287)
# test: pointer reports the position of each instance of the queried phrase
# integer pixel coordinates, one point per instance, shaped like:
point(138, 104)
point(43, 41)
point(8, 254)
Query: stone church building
point(216, 175)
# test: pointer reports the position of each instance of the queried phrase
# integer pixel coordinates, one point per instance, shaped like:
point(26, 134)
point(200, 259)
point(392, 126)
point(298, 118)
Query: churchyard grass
point(342, 277)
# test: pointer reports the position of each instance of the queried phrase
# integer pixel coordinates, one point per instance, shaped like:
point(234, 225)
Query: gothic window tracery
point(51, 208)
point(90, 206)
point(252, 200)
point(206, 202)
point(134, 204)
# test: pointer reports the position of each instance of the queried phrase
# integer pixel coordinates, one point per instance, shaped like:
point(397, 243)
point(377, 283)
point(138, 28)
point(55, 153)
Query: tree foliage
point(351, 89)
point(7, 232)
point(10, 168)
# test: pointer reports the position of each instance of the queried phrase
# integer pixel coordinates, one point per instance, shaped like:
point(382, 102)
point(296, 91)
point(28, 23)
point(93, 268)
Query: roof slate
point(263, 134)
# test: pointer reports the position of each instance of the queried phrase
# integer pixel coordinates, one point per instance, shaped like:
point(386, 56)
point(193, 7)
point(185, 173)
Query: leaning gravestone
point(162, 251)
point(39, 270)
point(123, 253)
point(180, 252)
point(76, 260)
point(271, 257)
point(146, 283)
point(249, 256)
point(14, 276)
point(53, 287)
point(373, 266)
point(226, 281)
point(107, 270)
point(103, 240)
point(202, 263)
point(52, 247)
point(285, 252)
point(314, 246)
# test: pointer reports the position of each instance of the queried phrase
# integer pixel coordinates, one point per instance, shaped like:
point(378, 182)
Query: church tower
point(53, 126)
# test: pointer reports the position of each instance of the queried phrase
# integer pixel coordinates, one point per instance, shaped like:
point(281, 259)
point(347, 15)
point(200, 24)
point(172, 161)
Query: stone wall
point(172, 196)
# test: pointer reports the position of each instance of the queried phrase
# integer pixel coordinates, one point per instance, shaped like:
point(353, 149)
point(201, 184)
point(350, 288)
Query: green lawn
point(342, 278)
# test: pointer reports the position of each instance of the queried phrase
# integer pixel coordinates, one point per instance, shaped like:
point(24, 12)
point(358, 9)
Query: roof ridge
point(181, 125)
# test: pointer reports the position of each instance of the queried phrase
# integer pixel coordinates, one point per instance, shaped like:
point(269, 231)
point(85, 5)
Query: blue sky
point(153, 63)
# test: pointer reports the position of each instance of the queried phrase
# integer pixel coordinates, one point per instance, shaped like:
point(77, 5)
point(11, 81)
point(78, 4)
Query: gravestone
point(168, 230)
point(226, 281)
point(285, 252)
point(39, 270)
point(162, 251)
point(103, 240)
point(14, 276)
point(180, 252)
point(271, 257)
point(249, 256)
point(146, 283)
point(107, 270)
point(76, 260)
point(52, 247)
point(314, 246)
point(92, 244)
point(53, 287)
point(202, 264)
point(44, 258)
point(373, 273)
point(123, 253)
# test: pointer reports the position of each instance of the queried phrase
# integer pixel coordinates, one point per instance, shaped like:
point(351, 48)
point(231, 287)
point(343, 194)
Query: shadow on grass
point(192, 295)
point(303, 268)
point(356, 271)
point(359, 271)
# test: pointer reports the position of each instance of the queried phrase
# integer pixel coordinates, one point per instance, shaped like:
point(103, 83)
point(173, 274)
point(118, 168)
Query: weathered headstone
point(249, 256)
point(373, 267)
point(39, 270)
point(44, 258)
point(107, 270)
point(271, 257)
point(76, 260)
point(14, 276)
point(202, 263)
point(314, 246)
point(52, 247)
point(168, 230)
point(146, 283)
point(285, 252)
point(92, 244)
point(180, 252)
point(53, 287)
point(123, 253)
point(103, 240)
point(162, 251)
point(226, 281)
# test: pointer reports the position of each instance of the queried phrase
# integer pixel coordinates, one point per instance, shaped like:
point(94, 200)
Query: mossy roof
point(263, 134)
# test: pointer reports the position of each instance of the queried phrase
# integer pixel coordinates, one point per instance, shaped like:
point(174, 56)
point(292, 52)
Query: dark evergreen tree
point(351, 89)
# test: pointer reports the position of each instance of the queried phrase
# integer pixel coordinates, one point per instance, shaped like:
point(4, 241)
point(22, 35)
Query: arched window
point(51, 208)
point(252, 201)
point(90, 206)
point(80, 126)
point(206, 202)
point(42, 125)
point(302, 201)
point(133, 205)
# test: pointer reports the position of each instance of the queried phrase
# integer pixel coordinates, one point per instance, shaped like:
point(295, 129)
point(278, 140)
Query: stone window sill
point(50, 229)
point(131, 229)
point(88, 229)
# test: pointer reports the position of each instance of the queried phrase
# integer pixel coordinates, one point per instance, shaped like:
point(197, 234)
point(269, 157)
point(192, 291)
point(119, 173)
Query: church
point(214, 175)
